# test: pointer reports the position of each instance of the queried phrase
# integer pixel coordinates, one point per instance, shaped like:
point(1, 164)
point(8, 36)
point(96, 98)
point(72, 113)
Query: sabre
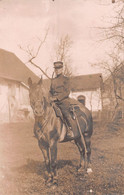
point(82, 137)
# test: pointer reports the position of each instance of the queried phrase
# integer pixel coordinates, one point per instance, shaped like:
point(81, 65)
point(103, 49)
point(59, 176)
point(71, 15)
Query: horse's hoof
point(81, 170)
point(89, 170)
point(54, 186)
point(55, 181)
point(49, 182)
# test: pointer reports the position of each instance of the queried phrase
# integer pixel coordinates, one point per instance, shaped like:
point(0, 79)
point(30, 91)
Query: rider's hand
point(53, 99)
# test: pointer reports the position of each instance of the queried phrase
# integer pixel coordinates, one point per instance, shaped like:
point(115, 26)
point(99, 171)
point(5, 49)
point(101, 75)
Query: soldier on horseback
point(59, 95)
point(48, 128)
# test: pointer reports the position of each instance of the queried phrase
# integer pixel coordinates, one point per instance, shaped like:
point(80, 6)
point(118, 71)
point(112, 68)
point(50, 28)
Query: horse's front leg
point(46, 155)
point(53, 152)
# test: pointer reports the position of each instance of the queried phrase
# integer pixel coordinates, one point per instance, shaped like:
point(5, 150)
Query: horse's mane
point(46, 94)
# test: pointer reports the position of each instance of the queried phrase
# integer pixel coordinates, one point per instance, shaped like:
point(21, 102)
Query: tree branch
point(29, 51)
point(38, 68)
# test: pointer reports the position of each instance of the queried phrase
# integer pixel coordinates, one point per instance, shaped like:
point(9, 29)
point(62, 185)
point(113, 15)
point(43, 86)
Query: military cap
point(58, 64)
point(81, 97)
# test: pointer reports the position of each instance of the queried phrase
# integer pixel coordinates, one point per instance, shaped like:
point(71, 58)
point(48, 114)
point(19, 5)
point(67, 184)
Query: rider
point(59, 94)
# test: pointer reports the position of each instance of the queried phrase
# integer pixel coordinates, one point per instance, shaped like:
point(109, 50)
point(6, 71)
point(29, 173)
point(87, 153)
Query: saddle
point(78, 113)
point(59, 113)
point(68, 133)
point(75, 107)
point(80, 108)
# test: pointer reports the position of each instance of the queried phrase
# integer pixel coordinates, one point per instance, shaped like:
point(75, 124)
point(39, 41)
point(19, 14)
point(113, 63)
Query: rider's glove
point(53, 99)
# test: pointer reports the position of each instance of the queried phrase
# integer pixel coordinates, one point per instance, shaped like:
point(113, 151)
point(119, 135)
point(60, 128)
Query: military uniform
point(60, 87)
point(59, 91)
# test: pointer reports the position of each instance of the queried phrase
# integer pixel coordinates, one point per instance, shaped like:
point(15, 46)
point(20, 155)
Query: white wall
point(93, 99)
point(13, 97)
point(24, 96)
point(4, 111)
point(3, 98)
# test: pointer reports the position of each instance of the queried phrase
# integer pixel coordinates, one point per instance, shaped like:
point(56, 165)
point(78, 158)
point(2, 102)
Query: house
point(14, 95)
point(90, 87)
point(87, 85)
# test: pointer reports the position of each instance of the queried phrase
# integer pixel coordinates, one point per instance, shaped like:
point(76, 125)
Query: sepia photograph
point(61, 97)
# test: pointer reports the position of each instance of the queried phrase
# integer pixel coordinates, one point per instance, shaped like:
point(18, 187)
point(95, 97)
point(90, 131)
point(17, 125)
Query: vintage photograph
point(61, 97)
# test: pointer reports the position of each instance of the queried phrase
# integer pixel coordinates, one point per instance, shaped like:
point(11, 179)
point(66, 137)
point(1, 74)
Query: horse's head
point(37, 97)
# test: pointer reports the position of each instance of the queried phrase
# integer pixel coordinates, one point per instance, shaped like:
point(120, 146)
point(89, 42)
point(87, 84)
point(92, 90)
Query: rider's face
point(58, 71)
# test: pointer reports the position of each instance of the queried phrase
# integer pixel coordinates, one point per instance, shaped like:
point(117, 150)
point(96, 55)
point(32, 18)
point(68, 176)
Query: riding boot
point(69, 133)
point(72, 130)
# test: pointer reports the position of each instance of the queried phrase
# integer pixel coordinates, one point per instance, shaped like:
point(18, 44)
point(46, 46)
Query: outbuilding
point(14, 95)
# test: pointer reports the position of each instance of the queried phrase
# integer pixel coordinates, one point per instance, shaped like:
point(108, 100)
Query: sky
point(24, 22)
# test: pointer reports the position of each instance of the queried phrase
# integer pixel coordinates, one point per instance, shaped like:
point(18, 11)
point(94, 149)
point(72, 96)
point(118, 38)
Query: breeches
point(64, 107)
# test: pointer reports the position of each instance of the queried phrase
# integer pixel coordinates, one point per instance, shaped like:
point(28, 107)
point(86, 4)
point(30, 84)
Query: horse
point(48, 129)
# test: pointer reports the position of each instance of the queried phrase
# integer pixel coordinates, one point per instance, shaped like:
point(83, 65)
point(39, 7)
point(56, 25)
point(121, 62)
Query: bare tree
point(62, 50)
point(114, 66)
point(114, 33)
point(63, 53)
point(113, 85)
point(32, 53)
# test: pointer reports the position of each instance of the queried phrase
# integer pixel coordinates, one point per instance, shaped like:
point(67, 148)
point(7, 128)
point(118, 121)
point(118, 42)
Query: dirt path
point(22, 168)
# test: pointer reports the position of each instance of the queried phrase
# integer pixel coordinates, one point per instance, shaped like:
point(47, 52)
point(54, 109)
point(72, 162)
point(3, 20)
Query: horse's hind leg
point(88, 145)
point(81, 149)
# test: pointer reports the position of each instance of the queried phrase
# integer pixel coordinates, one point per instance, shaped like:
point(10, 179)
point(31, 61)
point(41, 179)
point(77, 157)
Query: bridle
point(42, 122)
point(41, 104)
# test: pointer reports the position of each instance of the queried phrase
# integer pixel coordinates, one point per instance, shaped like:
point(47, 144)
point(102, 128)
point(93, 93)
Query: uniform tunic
point(60, 89)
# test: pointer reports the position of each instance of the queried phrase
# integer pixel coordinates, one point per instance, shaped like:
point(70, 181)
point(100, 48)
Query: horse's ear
point(40, 81)
point(29, 81)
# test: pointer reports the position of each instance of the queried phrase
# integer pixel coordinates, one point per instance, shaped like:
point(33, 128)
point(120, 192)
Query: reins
point(42, 125)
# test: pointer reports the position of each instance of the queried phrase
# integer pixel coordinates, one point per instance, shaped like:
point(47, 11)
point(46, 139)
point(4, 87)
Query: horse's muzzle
point(38, 113)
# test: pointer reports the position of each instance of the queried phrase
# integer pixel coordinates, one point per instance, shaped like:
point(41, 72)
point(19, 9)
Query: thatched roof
point(11, 67)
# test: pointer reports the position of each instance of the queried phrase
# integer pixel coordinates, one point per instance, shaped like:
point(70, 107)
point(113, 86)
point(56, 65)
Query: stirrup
point(68, 137)
point(70, 133)
point(73, 117)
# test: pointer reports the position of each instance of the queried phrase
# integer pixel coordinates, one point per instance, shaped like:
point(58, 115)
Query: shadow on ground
point(38, 167)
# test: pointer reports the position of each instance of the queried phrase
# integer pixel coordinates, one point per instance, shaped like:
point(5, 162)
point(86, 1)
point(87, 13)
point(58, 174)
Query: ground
point(22, 169)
